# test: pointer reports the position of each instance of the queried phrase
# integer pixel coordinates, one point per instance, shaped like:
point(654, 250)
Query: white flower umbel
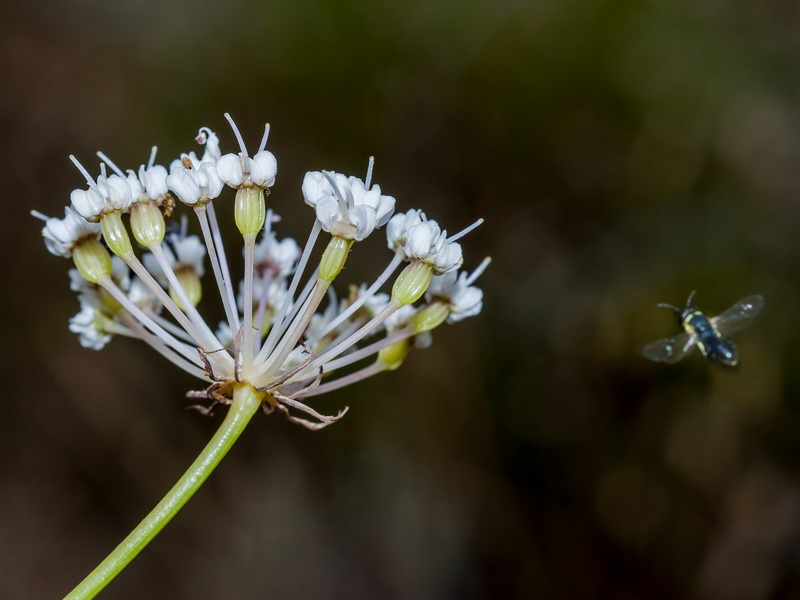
point(303, 340)
point(285, 286)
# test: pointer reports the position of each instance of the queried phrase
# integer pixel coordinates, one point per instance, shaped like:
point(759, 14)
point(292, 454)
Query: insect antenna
point(689, 299)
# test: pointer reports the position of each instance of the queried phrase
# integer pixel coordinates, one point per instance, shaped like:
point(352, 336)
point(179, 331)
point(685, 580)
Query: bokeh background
point(623, 153)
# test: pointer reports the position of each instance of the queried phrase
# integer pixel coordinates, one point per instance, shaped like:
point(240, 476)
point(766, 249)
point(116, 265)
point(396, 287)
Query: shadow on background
point(622, 154)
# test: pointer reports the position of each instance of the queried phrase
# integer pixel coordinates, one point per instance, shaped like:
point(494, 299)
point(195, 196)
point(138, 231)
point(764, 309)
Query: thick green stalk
point(246, 402)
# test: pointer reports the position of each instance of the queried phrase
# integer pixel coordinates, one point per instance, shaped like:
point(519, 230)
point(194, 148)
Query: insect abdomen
point(710, 342)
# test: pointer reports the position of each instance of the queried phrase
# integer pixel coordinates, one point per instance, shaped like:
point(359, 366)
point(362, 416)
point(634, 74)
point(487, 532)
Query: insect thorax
point(695, 320)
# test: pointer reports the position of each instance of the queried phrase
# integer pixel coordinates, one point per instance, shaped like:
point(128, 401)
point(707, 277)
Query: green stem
point(246, 402)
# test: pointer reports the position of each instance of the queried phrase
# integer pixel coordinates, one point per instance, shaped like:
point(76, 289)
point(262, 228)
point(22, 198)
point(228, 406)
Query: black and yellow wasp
point(709, 334)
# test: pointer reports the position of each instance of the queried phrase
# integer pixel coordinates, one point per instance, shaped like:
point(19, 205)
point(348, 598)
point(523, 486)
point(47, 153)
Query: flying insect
point(709, 334)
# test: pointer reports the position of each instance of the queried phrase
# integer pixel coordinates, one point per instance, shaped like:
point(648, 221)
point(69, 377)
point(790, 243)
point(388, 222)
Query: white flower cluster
point(61, 235)
point(106, 194)
point(456, 290)
point(99, 317)
point(421, 239)
point(285, 326)
point(346, 206)
point(195, 180)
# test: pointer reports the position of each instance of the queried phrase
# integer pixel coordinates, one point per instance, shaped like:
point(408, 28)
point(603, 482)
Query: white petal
point(384, 210)
point(61, 234)
point(327, 212)
point(118, 193)
point(184, 186)
point(154, 181)
point(87, 203)
point(422, 239)
point(191, 252)
point(363, 217)
point(212, 152)
point(315, 186)
point(178, 162)
point(229, 169)
point(448, 258)
point(398, 226)
point(423, 340)
point(263, 169)
point(286, 254)
point(467, 303)
point(399, 319)
point(142, 297)
point(152, 265)
point(208, 178)
point(85, 325)
point(137, 191)
point(372, 198)
point(443, 285)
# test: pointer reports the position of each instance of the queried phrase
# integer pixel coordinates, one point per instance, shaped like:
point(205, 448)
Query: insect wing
point(738, 316)
point(669, 350)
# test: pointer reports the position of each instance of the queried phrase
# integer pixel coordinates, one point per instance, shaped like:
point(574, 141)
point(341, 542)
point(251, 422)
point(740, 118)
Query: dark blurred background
point(622, 153)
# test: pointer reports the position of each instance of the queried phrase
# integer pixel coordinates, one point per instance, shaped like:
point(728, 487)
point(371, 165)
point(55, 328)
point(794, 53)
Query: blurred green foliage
point(622, 153)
